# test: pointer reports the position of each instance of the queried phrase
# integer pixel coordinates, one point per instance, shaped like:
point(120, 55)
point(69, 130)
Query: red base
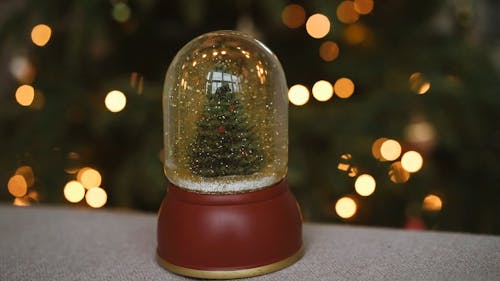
point(230, 232)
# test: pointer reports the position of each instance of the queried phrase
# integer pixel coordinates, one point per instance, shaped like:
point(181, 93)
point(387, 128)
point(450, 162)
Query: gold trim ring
point(231, 274)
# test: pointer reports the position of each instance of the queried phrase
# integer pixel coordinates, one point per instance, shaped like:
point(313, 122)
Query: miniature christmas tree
point(225, 143)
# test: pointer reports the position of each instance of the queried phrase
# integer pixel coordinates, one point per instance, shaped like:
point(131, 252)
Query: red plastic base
point(231, 232)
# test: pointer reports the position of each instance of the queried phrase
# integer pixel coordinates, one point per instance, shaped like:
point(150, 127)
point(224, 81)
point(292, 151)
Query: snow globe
point(228, 212)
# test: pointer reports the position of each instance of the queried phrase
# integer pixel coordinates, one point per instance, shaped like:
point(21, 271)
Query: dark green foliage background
point(90, 54)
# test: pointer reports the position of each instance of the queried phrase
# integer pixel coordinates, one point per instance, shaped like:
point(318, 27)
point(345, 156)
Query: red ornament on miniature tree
point(221, 130)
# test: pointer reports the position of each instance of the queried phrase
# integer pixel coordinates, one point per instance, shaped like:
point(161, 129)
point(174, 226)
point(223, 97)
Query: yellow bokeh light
point(353, 171)
point(397, 174)
point(345, 207)
point(74, 191)
point(322, 90)
point(424, 88)
point(25, 95)
point(40, 34)
point(355, 33)
point(298, 95)
point(363, 7)
point(17, 186)
point(346, 12)
point(89, 177)
point(344, 162)
point(346, 156)
point(318, 26)
point(390, 150)
point(293, 16)
point(376, 148)
point(432, 203)
point(343, 167)
point(419, 84)
point(115, 101)
point(96, 197)
point(33, 195)
point(415, 76)
point(27, 173)
point(344, 88)
point(22, 202)
point(329, 51)
point(365, 185)
point(412, 161)
point(420, 132)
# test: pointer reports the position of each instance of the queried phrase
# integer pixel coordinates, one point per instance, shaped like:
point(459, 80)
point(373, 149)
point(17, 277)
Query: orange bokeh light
point(318, 26)
point(329, 51)
point(363, 7)
point(346, 12)
point(293, 16)
point(344, 88)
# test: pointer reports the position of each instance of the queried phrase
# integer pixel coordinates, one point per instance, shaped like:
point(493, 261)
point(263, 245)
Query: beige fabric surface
point(53, 243)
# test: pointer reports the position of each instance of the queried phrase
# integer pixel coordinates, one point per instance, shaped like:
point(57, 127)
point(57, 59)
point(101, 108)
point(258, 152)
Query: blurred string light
point(412, 161)
point(376, 148)
point(115, 101)
point(418, 83)
point(33, 195)
point(420, 132)
point(96, 197)
point(365, 185)
point(397, 174)
point(27, 173)
point(353, 171)
point(363, 7)
point(89, 177)
point(390, 150)
point(17, 186)
point(345, 207)
point(318, 26)
point(40, 34)
point(298, 95)
point(22, 69)
point(344, 88)
point(355, 34)
point(25, 94)
point(293, 16)
point(432, 203)
point(74, 191)
point(322, 90)
point(345, 165)
point(329, 51)
point(346, 13)
point(121, 12)
point(86, 185)
point(344, 162)
point(21, 201)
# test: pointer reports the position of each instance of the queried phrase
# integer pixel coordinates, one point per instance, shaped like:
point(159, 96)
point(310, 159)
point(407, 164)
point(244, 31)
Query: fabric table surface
point(55, 243)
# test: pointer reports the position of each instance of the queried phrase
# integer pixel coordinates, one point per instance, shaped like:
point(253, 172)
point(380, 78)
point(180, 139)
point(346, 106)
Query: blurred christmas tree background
point(80, 103)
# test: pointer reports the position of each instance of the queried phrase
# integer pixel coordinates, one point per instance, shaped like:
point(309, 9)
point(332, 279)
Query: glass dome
point(225, 111)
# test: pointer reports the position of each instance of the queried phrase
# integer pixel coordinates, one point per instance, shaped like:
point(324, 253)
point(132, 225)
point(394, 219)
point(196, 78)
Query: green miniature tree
point(225, 144)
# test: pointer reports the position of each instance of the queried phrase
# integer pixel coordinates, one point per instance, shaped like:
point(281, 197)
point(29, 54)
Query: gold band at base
point(231, 274)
